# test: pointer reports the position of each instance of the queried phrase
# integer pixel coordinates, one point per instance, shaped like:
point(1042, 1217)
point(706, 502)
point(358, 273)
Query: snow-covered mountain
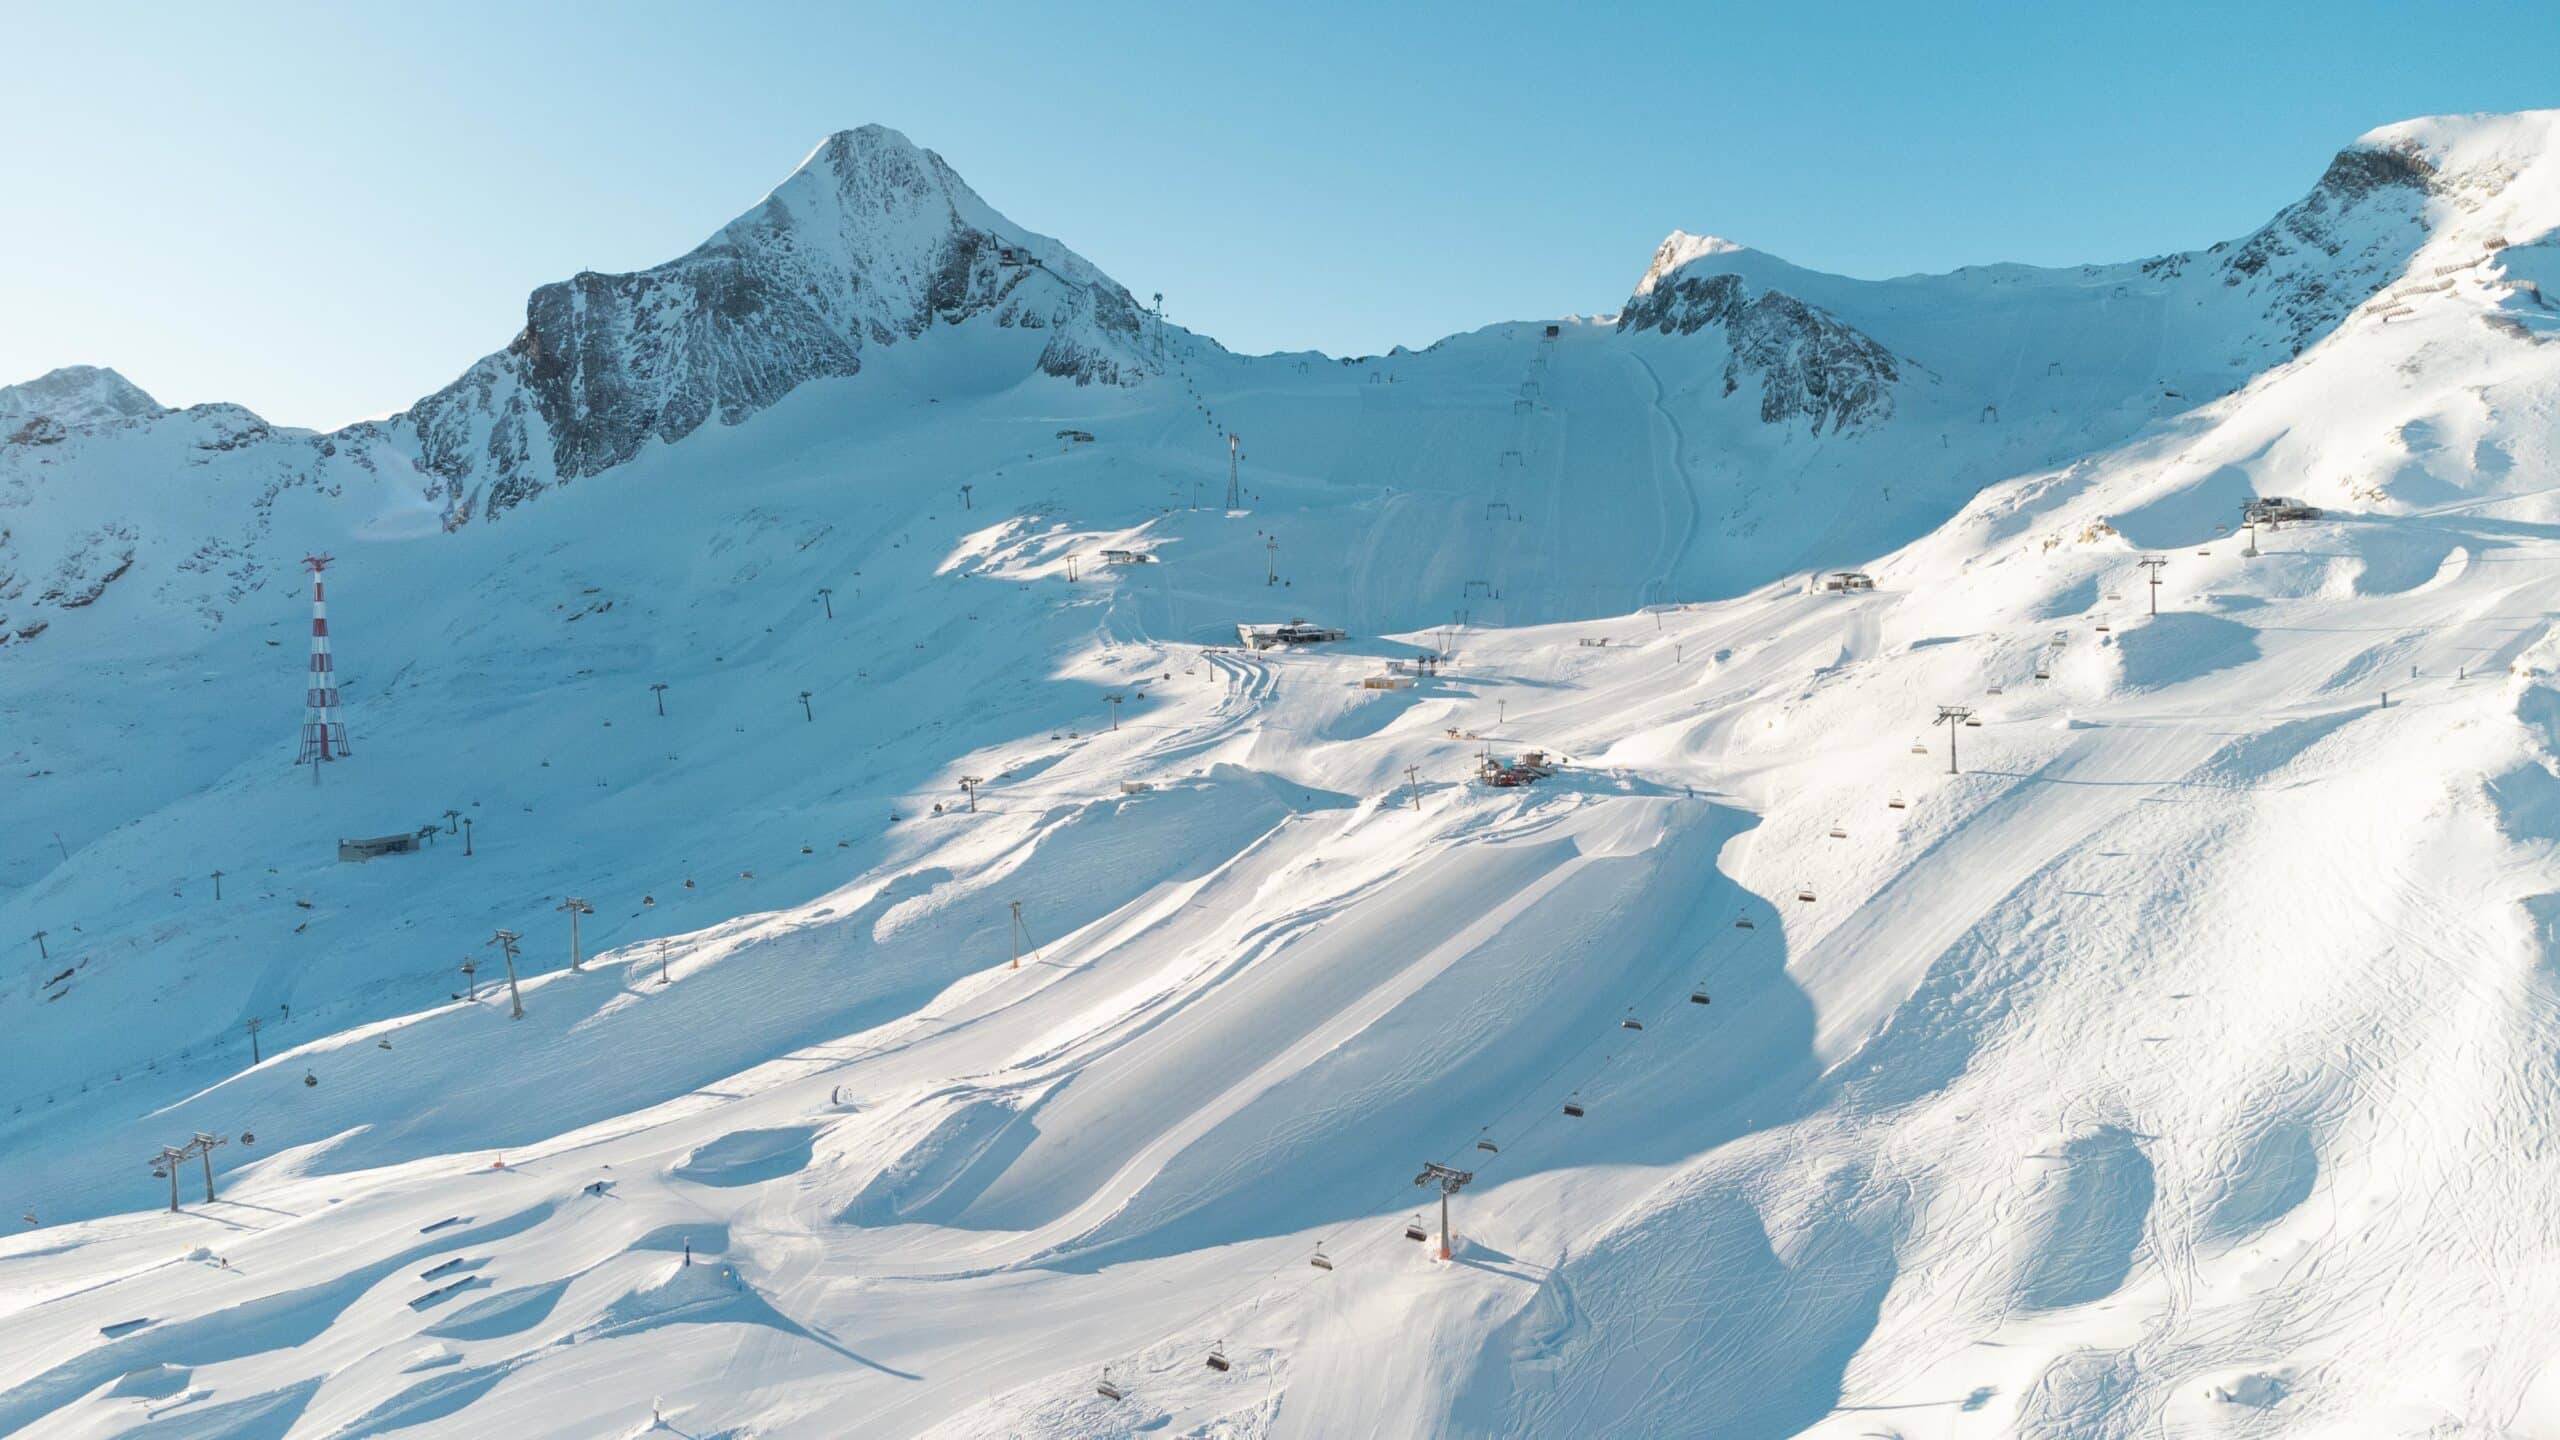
point(997, 983)
point(43, 410)
point(872, 242)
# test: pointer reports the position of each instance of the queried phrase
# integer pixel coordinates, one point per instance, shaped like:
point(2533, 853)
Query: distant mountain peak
point(69, 398)
point(1680, 248)
point(871, 242)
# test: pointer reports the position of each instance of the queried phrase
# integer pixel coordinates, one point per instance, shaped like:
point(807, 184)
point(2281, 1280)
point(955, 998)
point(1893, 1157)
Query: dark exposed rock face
point(2330, 251)
point(1809, 365)
point(872, 243)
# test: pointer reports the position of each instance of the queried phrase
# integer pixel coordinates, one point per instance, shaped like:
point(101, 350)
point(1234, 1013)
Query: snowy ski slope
point(2182, 1066)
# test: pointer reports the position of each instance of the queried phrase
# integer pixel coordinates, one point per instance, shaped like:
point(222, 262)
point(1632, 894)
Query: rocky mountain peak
point(872, 242)
point(69, 398)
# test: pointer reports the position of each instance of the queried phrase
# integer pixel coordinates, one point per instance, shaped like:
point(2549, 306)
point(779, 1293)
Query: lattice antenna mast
point(324, 735)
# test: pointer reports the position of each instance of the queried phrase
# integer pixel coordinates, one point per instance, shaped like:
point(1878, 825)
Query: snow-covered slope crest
point(2408, 201)
point(871, 242)
point(40, 411)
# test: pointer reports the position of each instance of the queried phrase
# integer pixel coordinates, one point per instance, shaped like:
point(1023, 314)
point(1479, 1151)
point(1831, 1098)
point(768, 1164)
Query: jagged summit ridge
point(872, 242)
point(41, 410)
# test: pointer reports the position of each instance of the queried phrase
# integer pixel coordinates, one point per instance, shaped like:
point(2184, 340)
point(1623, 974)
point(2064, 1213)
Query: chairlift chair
point(1488, 1147)
point(1919, 747)
point(1838, 833)
point(1699, 997)
point(1218, 1358)
point(1631, 1023)
point(1896, 802)
point(2043, 672)
point(1413, 1230)
point(2104, 627)
point(1320, 1260)
point(1805, 894)
point(1743, 922)
point(1106, 1389)
point(1572, 1106)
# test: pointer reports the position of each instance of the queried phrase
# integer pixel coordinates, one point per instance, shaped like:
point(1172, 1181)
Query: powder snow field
point(2184, 1066)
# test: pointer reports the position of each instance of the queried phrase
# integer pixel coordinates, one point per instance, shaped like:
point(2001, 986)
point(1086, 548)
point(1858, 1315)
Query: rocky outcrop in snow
point(1810, 366)
point(873, 242)
point(2333, 249)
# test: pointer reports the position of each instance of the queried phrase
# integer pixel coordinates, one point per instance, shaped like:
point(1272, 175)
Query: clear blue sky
point(324, 212)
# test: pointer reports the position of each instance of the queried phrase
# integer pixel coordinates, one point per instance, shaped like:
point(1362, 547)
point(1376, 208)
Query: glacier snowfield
point(2184, 1063)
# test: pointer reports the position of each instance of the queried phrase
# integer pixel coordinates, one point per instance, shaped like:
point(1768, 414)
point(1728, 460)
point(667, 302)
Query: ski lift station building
point(1841, 581)
point(2276, 509)
point(362, 850)
point(1294, 632)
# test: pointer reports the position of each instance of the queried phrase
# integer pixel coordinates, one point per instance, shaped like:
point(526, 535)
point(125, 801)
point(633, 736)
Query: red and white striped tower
point(324, 735)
